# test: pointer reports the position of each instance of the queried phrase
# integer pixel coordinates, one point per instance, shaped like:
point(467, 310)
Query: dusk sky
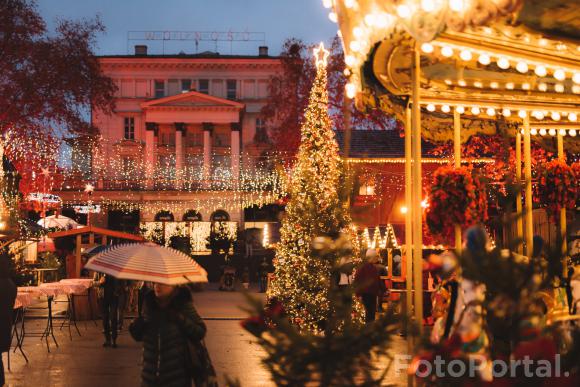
point(278, 19)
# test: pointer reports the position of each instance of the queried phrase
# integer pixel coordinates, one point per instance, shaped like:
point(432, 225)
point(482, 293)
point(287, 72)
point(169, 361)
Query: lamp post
point(89, 188)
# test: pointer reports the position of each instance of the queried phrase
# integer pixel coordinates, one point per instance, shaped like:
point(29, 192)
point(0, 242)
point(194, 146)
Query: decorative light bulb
point(484, 59)
point(572, 132)
point(333, 17)
point(562, 132)
point(445, 109)
point(404, 11)
point(327, 3)
point(446, 51)
point(490, 112)
point(404, 210)
point(543, 132)
point(506, 112)
point(503, 63)
point(370, 19)
point(357, 32)
point(475, 110)
point(525, 86)
point(448, 82)
point(552, 132)
point(510, 85)
point(559, 88)
point(539, 115)
point(350, 60)
point(494, 85)
point(427, 48)
point(576, 78)
point(349, 3)
point(355, 45)
point(522, 67)
point(460, 109)
point(540, 71)
point(478, 84)
point(431, 107)
point(559, 74)
point(462, 83)
point(543, 86)
point(572, 117)
point(555, 116)
point(350, 90)
point(457, 5)
point(428, 5)
point(465, 55)
point(533, 131)
point(522, 114)
point(384, 20)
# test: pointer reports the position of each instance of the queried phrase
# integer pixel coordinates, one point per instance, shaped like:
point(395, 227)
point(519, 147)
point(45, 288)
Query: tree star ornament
point(321, 54)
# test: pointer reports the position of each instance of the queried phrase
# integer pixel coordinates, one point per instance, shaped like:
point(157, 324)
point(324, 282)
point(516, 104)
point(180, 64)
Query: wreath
point(558, 187)
point(456, 197)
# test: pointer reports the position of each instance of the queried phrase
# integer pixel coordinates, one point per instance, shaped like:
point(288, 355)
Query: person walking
point(7, 297)
point(110, 289)
point(172, 333)
point(367, 284)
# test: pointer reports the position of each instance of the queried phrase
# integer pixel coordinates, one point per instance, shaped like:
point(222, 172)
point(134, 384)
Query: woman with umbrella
point(170, 328)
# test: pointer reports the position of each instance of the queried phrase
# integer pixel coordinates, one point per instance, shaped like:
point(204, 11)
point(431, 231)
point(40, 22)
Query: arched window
point(192, 216)
point(220, 216)
point(164, 216)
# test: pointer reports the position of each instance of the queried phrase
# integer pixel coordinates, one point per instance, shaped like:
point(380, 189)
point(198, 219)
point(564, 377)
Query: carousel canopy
point(494, 62)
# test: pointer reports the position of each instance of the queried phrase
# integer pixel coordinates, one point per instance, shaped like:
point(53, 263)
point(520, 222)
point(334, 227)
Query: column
point(207, 131)
point(417, 191)
point(151, 129)
point(235, 150)
point(179, 132)
point(519, 213)
point(457, 159)
point(528, 214)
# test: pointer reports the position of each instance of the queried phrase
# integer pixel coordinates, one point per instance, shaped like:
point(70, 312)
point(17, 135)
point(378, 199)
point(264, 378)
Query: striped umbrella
point(147, 262)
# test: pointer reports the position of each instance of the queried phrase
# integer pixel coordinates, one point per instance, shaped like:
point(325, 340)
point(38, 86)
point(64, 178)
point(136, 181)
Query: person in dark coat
point(367, 284)
point(111, 288)
point(7, 297)
point(167, 327)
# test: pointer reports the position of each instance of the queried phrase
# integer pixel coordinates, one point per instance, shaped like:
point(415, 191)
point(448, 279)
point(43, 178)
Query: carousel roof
point(494, 63)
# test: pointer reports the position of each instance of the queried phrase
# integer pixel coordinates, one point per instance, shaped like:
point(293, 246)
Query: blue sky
point(278, 19)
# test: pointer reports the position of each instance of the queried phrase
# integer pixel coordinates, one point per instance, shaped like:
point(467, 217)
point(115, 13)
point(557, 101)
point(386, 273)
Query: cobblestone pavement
point(82, 361)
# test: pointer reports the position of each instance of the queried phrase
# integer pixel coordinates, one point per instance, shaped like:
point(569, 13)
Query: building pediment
point(192, 100)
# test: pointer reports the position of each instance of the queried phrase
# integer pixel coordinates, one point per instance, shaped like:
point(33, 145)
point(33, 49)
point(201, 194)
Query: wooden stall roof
point(96, 230)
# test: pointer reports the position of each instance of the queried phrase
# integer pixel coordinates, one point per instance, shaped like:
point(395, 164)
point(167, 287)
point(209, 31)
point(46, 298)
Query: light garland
point(400, 160)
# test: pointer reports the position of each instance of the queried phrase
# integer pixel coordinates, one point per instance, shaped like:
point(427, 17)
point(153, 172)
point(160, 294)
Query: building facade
point(185, 131)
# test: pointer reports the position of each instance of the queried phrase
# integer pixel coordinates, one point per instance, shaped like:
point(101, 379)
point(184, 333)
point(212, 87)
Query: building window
point(221, 140)
point(203, 86)
point(159, 89)
point(185, 85)
point(232, 88)
point(261, 135)
point(129, 125)
point(367, 187)
point(167, 139)
point(194, 139)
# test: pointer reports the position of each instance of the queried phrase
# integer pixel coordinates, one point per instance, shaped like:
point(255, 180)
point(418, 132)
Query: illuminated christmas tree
point(302, 281)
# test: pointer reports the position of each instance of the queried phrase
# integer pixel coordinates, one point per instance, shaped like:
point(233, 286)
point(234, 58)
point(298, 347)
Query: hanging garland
point(558, 187)
point(456, 197)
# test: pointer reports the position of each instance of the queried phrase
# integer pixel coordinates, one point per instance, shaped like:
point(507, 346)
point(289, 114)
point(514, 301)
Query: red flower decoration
point(558, 186)
point(456, 197)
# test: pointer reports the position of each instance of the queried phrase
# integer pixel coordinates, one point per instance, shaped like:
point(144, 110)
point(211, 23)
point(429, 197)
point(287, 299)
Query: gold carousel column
point(562, 157)
point(417, 193)
point(457, 158)
point(408, 220)
point(519, 214)
point(528, 190)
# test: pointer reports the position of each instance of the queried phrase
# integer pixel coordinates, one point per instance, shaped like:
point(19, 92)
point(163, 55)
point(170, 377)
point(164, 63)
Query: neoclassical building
point(183, 131)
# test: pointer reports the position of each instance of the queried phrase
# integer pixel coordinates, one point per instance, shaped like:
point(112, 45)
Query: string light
point(327, 3)
point(542, 86)
point(494, 85)
point(484, 59)
point(475, 110)
point(427, 48)
point(572, 132)
point(562, 132)
point(576, 78)
point(522, 67)
point(490, 112)
point(509, 85)
point(506, 112)
point(333, 17)
point(404, 11)
point(555, 116)
point(350, 90)
point(525, 86)
point(540, 71)
point(542, 132)
point(431, 107)
point(522, 114)
point(462, 83)
point(460, 109)
point(466, 55)
point(446, 51)
point(533, 131)
point(559, 88)
point(552, 132)
point(503, 63)
point(572, 117)
point(559, 74)
point(445, 109)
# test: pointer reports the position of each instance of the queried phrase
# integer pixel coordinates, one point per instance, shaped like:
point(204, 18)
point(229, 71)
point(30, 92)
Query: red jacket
point(367, 280)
